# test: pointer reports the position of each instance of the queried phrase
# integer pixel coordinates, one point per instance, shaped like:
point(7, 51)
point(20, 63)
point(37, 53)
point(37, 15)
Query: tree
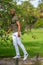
point(5, 7)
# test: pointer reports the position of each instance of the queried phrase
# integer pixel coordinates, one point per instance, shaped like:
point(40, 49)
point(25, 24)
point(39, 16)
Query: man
point(15, 27)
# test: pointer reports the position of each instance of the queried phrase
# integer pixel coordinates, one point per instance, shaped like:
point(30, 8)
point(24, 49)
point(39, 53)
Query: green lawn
point(33, 42)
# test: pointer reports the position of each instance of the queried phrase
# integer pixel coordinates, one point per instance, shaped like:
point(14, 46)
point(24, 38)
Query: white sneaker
point(25, 57)
point(16, 57)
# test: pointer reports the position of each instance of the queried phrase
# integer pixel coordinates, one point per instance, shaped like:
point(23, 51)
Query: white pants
point(16, 42)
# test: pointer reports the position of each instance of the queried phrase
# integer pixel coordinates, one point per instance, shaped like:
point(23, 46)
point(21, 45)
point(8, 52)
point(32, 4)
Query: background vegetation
point(31, 20)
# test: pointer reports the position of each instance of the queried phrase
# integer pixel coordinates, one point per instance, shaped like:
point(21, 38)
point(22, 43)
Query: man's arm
point(18, 24)
point(9, 30)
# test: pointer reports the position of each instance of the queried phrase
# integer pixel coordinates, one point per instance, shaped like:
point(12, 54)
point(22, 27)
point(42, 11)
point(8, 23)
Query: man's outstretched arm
point(9, 30)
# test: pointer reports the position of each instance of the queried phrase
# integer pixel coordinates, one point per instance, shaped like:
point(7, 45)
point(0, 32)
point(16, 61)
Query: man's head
point(12, 12)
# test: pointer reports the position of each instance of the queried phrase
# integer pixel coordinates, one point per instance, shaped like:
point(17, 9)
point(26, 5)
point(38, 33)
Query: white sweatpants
point(16, 42)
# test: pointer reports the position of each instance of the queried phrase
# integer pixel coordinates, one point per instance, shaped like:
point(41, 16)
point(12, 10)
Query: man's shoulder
point(15, 17)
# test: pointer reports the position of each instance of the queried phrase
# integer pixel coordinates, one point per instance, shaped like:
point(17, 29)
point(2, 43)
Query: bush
point(39, 23)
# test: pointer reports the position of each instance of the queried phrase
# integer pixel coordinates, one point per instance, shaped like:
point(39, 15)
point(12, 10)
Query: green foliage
point(23, 27)
point(39, 23)
point(33, 46)
point(25, 12)
point(2, 32)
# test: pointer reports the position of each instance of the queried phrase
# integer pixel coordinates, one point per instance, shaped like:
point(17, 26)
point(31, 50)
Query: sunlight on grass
point(33, 42)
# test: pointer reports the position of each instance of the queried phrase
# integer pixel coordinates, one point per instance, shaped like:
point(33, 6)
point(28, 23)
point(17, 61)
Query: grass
point(33, 42)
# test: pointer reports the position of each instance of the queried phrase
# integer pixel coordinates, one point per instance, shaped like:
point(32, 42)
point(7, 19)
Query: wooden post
point(17, 61)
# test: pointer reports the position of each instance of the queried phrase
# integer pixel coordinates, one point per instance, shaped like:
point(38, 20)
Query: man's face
point(12, 12)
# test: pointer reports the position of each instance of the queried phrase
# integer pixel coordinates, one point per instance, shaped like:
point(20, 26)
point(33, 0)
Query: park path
point(29, 61)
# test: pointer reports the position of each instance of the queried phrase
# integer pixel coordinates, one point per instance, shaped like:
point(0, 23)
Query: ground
point(29, 61)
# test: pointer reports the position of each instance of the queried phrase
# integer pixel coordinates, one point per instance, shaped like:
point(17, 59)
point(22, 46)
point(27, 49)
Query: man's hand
point(18, 34)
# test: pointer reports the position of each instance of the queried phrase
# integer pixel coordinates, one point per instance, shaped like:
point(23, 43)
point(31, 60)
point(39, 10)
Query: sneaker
point(25, 57)
point(16, 57)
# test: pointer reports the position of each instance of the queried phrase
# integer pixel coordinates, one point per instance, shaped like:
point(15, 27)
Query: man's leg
point(16, 46)
point(23, 48)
